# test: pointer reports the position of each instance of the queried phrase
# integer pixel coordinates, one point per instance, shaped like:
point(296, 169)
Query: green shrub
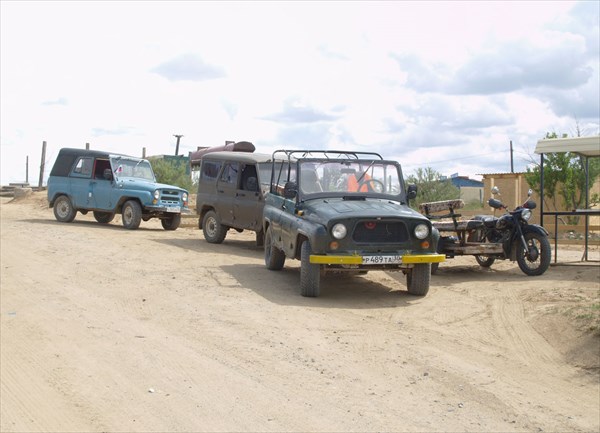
point(172, 173)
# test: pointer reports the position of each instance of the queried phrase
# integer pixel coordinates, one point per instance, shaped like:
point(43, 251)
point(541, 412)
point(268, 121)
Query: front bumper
point(167, 209)
point(407, 259)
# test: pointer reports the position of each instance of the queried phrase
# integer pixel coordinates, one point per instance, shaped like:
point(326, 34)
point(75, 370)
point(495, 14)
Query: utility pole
point(27, 169)
point(42, 165)
point(512, 168)
point(177, 145)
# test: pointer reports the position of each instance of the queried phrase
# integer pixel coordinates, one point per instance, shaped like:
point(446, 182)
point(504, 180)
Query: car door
point(248, 203)
point(226, 190)
point(102, 185)
point(80, 182)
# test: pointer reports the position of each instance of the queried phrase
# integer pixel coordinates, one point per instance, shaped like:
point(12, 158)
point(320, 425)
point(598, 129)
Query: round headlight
point(526, 214)
point(421, 231)
point(339, 231)
point(184, 196)
point(156, 194)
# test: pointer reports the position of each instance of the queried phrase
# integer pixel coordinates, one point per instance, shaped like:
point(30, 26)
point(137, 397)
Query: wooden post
point(178, 136)
point(143, 153)
point(42, 164)
point(87, 146)
point(27, 169)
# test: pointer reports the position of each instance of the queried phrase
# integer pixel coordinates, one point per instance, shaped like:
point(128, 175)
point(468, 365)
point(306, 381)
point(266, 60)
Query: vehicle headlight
point(421, 231)
point(184, 197)
point(526, 214)
point(156, 194)
point(339, 231)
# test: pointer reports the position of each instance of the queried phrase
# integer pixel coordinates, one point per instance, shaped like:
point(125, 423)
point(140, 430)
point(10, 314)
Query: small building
point(470, 189)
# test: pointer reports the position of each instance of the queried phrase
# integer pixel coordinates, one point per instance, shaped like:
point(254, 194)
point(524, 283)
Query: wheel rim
point(211, 226)
point(63, 209)
point(127, 215)
point(532, 254)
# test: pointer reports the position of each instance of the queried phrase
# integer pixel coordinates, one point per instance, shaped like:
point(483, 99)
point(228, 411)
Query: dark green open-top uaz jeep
point(345, 211)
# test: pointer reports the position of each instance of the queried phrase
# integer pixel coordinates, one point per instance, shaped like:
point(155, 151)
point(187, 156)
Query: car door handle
point(239, 194)
point(221, 191)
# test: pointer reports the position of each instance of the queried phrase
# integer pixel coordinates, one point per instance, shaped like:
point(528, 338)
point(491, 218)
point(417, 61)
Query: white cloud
point(414, 80)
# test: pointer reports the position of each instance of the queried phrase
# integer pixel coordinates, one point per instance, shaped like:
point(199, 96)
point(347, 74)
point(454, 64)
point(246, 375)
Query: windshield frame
point(129, 167)
point(393, 185)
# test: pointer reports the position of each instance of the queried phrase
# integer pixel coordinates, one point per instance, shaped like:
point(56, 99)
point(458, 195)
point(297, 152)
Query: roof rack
point(328, 154)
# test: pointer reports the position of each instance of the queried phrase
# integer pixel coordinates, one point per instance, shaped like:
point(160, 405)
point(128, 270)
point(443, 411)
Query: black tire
point(171, 222)
point(417, 280)
point(482, 260)
point(485, 261)
point(260, 238)
point(103, 217)
point(64, 210)
point(212, 229)
point(131, 213)
point(274, 257)
point(310, 274)
point(537, 259)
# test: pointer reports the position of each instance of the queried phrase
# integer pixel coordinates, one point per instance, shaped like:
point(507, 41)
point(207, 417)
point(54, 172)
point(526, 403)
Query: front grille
point(169, 197)
point(380, 232)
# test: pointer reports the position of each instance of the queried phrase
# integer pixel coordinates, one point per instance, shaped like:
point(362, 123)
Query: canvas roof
point(588, 146)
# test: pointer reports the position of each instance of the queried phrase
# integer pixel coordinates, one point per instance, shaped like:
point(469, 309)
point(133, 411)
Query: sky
point(441, 84)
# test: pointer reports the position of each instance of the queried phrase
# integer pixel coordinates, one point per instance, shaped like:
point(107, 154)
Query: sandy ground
point(105, 329)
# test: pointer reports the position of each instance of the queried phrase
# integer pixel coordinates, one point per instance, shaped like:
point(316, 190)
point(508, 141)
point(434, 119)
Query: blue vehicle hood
point(147, 184)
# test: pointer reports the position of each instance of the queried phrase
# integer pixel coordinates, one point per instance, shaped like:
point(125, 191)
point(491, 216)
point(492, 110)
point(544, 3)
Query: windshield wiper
point(365, 172)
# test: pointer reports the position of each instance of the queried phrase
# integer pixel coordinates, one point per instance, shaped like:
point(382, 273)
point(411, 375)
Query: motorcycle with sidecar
point(490, 238)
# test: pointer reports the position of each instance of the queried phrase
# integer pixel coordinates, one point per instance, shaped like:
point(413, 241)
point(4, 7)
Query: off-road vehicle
point(345, 212)
point(108, 184)
point(231, 191)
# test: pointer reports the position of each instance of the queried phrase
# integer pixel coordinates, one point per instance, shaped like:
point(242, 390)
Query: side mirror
point(412, 192)
point(529, 193)
point(496, 204)
point(290, 190)
point(107, 174)
point(495, 190)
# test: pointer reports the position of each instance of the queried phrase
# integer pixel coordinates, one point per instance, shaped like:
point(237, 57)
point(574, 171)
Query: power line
point(456, 159)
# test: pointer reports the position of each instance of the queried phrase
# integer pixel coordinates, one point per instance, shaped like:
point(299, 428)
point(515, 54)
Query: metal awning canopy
point(587, 146)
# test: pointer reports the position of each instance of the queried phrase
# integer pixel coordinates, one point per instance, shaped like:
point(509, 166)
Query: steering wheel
point(372, 185)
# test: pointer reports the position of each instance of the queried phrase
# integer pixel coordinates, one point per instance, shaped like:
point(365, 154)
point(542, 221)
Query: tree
point(431, 187)
point(172, 173)
point(564, 178)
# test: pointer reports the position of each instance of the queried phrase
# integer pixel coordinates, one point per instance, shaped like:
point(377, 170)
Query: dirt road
point(105, 329)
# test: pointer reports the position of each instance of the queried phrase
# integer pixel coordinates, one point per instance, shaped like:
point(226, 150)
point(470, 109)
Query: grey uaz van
point(231, 190)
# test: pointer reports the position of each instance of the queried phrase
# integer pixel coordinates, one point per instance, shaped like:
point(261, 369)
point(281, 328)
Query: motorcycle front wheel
point(536, 258)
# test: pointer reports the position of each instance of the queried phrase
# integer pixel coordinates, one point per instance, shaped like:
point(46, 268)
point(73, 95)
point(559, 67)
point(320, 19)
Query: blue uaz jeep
point(109, 184)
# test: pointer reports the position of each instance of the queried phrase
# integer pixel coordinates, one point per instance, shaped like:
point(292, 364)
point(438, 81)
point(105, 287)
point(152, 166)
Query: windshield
point(137, 168)
point(264, 169)
point(349, 176)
